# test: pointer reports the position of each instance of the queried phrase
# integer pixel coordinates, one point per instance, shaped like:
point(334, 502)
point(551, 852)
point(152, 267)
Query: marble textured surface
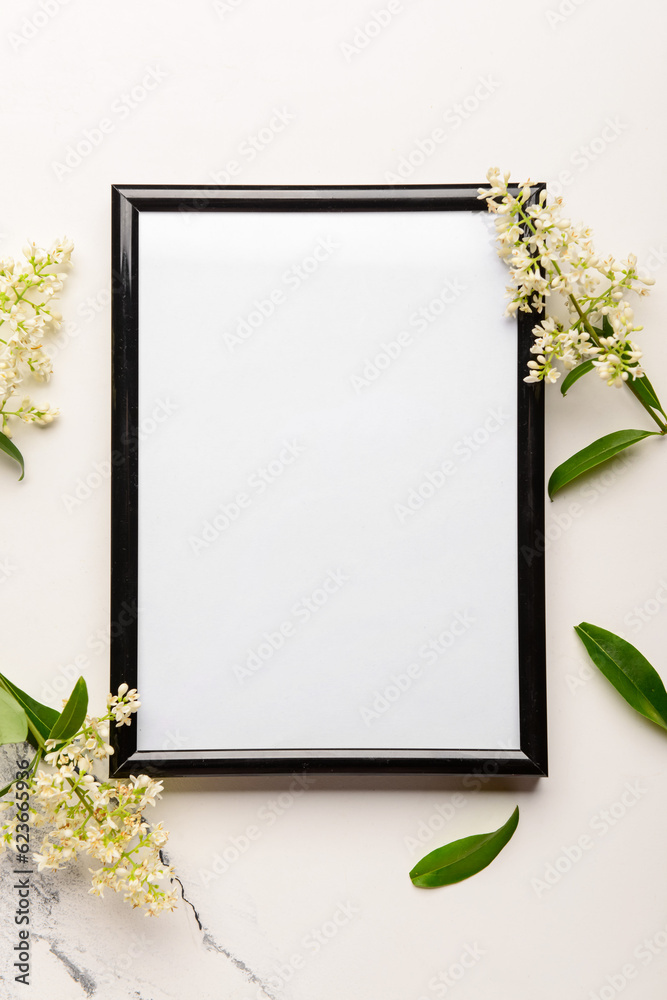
point(319, 906)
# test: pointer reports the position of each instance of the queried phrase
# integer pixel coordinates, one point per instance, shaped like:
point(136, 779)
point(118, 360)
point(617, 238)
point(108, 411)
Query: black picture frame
point(130, 205)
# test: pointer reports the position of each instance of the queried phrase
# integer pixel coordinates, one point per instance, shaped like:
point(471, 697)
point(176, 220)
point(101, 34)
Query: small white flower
point(101, 818)
point(529, 235)
point(26, 291)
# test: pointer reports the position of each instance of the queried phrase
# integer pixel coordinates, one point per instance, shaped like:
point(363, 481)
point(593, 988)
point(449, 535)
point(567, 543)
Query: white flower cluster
point(123, 704)
point(27, 290)
point(547, 254)
point(103, 819)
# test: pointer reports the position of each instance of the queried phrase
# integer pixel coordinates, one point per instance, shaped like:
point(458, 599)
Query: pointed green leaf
point(641, 387)
point(7, 787)
point(10, 449)
point(645, 393)
point(41, 716)
point(574, 375)
point(595, 454)
point(70, 719)
point(13, 721)
point(462, 858)
point(628, 670)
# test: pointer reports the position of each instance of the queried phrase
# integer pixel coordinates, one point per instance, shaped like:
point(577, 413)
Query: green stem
point(82, 798)
point(35, 761)
point(35, 732)
point(583, 318)
point(661, 424)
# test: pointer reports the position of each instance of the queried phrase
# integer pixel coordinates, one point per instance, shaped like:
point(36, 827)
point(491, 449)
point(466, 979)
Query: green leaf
point(462, 858)
point(628, 670)
point(70, 719)
point(645, 393)
point(41, 716)
point(10, 449)
point(13, 720)
point(641, 387)
point(574, 375)
point(595, 454)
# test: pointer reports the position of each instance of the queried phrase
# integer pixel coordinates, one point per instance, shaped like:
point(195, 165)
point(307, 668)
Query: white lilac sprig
point(28, 289)
point(547, 254)
point(83, 813)
point(551, 258)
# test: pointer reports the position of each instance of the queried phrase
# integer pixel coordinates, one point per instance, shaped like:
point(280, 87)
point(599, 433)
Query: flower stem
point(633, 389)
point(583, 319)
